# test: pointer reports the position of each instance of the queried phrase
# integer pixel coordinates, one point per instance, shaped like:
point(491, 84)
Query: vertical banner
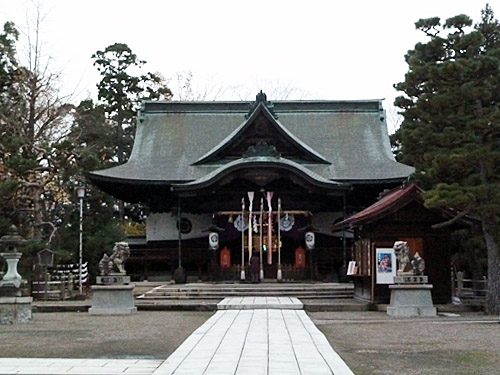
point(250, 207)
point(386, 265)
point(279, 275)
point(269, 228)
point(242, 274)
point(261, 222)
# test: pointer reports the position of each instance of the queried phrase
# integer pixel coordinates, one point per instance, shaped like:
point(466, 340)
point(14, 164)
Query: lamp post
point(80, 192)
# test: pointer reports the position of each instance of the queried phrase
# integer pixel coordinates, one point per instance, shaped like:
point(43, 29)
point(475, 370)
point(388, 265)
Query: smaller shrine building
point(400, 215)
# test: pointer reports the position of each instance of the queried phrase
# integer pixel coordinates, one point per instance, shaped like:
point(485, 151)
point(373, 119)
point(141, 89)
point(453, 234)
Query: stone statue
point(418, 264)
point(405, 258)
point(105, 266)
point(115, 262)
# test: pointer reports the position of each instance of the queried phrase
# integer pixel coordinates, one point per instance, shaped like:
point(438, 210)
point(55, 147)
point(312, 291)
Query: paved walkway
point(251, 335)
point(78, 366)
point(254, 303)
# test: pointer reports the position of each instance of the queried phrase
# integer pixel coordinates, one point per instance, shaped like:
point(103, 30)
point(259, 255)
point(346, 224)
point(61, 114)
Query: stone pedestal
point(411, 300)
point(112, 300)
point(14, 310)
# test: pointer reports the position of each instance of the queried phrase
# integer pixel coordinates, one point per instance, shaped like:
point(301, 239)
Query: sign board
point(351, 269)
point(225, 258)
point(300, 257)
point(386, 265)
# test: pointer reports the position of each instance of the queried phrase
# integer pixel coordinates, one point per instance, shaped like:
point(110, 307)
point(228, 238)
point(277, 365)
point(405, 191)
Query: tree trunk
point(37, 215)
point(493, 295)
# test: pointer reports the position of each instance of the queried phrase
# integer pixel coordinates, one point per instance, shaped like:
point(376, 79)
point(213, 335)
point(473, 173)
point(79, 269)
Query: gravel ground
point(147, 334)
point(370, 342)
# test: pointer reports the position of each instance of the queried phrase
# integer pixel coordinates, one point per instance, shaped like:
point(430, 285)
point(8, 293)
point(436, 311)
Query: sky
point(314, 49)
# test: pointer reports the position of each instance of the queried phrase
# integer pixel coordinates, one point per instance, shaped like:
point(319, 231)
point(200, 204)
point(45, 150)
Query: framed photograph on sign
point(386, 265)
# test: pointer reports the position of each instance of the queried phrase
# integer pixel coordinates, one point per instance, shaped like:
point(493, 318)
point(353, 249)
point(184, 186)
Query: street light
point(80, 192)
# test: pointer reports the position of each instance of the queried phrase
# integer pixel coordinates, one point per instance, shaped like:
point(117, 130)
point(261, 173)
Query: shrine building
point(225, 180)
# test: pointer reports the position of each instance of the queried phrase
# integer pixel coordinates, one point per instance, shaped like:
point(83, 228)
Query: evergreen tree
point(10, 75)
point(120, 92)
point(451, 127)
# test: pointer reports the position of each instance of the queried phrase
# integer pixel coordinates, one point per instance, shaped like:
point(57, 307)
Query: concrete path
point(52, 366)
point(251, 335)
point(253, 303)
point(255, 342)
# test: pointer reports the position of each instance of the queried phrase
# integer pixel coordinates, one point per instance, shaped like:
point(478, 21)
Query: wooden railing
point(53, 290)
point(469, 291)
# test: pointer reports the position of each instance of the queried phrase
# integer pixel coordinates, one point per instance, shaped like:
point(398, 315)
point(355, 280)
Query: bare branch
point(452, 220)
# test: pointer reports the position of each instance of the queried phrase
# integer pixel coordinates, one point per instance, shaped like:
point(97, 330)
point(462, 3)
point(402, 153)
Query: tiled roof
point(172, 136)
point(390, 202)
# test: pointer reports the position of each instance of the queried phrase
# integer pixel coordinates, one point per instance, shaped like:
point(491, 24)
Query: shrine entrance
point(277, 236)
point(268, 212)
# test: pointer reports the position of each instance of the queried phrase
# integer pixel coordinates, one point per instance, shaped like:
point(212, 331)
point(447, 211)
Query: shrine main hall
point(226, 180)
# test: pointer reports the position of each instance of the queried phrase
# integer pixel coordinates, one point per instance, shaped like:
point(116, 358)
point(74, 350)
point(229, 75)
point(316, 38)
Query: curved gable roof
point(261, 161)
point(300, 148)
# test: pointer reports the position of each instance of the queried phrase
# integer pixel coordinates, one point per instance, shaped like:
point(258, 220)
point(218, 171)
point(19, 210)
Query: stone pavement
point(78, 366)
point(253, 303)
point(250, 335)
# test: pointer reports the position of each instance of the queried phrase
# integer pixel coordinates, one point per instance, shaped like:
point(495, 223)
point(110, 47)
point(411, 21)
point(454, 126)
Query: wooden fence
point(53, 290)
point(469, 291)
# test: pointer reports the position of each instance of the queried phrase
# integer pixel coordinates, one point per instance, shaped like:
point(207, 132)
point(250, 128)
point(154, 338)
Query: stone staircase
point(199, 291)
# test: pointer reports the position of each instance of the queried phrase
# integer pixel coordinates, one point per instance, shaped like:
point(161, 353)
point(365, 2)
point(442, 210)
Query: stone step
point(252, 288)
point(220, 292)
point(216, 297)
point(236, 292)
point(198, 291)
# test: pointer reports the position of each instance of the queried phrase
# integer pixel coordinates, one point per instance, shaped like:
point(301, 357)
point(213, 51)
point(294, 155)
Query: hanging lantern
point(309, 240)
point(213, 240)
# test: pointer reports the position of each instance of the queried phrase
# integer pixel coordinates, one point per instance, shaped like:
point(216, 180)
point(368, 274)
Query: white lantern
point(309, 240)
point(213, 240)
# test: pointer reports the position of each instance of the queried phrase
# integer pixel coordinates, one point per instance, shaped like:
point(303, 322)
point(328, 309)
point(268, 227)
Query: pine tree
point(451, 127)
point(120, 92)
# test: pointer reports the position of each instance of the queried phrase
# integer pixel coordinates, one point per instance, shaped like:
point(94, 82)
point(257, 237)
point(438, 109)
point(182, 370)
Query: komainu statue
point(115, 262)
point(405, 258)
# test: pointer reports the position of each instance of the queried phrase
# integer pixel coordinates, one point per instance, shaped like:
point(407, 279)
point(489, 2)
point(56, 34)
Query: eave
point(265, 162)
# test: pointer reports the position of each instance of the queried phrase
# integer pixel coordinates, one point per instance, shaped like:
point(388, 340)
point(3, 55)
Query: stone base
point(180, 276)
point(411, 300)
point(112, 300)
point(14, 310)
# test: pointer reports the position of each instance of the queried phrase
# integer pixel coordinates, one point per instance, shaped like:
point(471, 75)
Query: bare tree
point(37, 137)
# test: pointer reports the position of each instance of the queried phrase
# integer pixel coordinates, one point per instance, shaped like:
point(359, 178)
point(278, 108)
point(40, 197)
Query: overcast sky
point(350, 49)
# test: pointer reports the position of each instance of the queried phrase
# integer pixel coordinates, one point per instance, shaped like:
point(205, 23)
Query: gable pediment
point(261, 127)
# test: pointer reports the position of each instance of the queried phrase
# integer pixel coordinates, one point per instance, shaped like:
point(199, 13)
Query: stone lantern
point(13, 307)
point(12, 280)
